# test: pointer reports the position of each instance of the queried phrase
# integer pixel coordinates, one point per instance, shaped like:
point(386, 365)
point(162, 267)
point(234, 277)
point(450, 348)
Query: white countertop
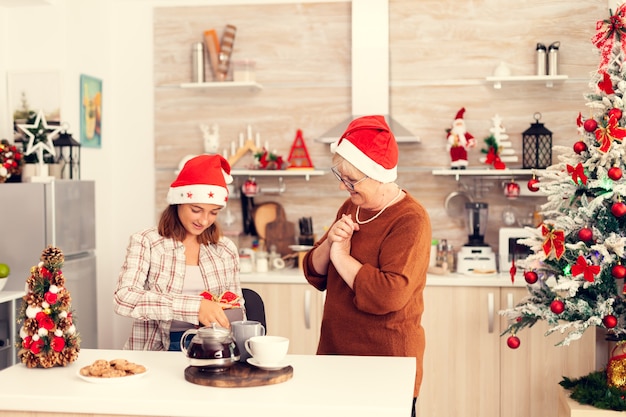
point(321, 386)
point(296, 276)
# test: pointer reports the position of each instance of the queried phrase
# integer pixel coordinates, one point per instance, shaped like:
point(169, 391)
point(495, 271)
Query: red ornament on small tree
point(531, 277)
point(610, 321)
point(618, 271)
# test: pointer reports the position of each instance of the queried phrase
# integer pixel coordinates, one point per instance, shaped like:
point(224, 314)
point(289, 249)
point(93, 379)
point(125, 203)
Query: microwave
point(509, 249)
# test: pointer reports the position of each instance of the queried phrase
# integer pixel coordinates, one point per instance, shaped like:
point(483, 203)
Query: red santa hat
point(460, 113)
point(202, 180)
point(370, 147)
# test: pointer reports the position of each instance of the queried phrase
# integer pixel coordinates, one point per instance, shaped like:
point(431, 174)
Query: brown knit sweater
point(382, 315)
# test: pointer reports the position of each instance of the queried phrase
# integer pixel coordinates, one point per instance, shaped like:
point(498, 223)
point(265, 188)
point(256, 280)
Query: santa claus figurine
point(459, 141)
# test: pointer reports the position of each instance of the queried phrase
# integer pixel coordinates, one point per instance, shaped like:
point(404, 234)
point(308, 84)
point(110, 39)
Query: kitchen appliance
point(509, 249)
point(212, 348)
point(370, 69)
point(476, 257)
point(59, 213)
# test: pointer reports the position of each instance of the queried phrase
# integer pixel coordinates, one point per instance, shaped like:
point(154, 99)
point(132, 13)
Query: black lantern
point(537, 145)
point(68, 155)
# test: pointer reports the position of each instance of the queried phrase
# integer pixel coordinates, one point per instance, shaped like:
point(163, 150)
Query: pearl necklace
point(380, 212)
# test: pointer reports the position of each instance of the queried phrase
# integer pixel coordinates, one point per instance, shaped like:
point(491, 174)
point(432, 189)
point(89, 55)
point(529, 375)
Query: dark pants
point(413, 410)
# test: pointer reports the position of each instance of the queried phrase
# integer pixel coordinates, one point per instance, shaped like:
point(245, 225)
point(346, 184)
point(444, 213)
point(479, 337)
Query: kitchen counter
point(296, 276)
point(321, 386)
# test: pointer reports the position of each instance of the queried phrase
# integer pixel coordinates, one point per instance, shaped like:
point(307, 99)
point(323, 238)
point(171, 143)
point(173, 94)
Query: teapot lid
point(214, 332)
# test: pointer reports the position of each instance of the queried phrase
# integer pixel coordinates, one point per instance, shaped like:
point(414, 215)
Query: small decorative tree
point(47, 336)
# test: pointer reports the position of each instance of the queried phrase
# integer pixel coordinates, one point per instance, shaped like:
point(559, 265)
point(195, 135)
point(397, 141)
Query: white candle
point(249, 132)
point(267, 146)
point(241, 140)
point(258, 140)
point(232, 148)
point(225, 153)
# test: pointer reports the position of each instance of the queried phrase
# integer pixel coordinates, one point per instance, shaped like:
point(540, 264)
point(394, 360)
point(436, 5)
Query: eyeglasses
point(349, 185)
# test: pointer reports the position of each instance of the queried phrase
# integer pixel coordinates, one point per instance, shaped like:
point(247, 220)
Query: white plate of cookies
point(114, 371)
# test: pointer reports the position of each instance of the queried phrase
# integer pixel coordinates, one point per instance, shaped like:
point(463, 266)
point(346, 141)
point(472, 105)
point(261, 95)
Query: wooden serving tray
point(238, 375)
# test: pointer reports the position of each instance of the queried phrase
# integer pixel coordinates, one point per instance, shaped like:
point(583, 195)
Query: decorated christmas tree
point(48, 336)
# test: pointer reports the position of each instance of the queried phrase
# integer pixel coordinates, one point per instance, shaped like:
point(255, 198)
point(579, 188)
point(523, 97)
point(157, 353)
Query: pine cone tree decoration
point(48, 335)
point(52, 257)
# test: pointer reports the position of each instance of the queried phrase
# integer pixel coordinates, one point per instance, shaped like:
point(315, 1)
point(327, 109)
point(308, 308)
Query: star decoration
point(36, 144)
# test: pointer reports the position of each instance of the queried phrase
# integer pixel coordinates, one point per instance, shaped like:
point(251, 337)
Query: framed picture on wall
point(30, 92)
point(90, 111)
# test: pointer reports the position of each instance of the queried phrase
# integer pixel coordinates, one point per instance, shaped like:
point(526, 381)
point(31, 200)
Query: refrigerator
point(59, 213)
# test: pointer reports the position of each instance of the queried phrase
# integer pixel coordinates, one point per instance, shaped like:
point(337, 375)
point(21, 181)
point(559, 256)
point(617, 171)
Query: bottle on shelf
point(541, 53)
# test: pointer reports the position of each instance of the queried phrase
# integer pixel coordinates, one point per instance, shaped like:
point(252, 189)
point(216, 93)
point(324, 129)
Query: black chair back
point(255, 308)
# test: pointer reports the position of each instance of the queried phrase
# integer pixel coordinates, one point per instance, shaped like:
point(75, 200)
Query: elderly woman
point(373, 260)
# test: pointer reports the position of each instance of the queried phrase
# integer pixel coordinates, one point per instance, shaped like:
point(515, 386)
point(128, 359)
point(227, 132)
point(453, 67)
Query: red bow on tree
point(554, 239)
point(606, 85)
point(608, 31)
point(606, 135)
point(578, 173)
point(582, 267)
point(493, 158)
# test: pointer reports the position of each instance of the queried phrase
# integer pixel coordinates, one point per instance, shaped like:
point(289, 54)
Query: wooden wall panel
point(440, 53)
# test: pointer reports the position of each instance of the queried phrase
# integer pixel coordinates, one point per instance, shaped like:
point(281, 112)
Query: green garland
point(593, 390)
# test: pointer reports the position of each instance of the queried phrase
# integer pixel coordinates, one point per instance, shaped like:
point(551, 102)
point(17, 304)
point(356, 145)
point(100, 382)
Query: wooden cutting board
point(264, 213)
point(281, 233)
point(238, 375)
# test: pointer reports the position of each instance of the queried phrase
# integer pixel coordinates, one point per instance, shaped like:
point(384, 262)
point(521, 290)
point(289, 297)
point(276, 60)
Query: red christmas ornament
point(615, 173)
point(532, 185)
point(513, 342)
point(585, 234)
point(615, 112)
point(590, 125)
point(512, 190)
point(618, 209)
point(530, 277)
point(610, 321)
point(618, 271)
point(580, 147)
point(557, 306)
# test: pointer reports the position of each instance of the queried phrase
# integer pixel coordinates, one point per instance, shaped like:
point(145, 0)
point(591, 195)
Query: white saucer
point(269, 367)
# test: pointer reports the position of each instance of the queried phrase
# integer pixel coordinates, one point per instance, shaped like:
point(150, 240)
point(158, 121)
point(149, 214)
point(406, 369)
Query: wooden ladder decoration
point(299, 155)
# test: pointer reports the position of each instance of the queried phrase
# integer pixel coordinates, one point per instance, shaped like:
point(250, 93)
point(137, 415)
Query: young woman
point(168, 267)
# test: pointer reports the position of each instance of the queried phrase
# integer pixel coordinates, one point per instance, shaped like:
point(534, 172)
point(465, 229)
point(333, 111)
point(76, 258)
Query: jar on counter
point(245, 263)
point(262, 262)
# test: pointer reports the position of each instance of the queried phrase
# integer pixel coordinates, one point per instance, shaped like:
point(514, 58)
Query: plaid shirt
point(149, 288)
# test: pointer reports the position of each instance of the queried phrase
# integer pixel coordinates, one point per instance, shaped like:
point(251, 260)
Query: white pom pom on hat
point(370, 146)
point(203, 179)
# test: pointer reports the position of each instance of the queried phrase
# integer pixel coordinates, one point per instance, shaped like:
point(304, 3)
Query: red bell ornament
point(615, 173)
point(618, 209)
point(590, 125)
point(580, 147)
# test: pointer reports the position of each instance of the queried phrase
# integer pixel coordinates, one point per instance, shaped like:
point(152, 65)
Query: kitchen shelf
point(494, 173)
point(307, 173)
point(549, 80)
point(250, 86)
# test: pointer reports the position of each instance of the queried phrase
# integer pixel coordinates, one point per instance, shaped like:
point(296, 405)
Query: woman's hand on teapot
point(213, 312)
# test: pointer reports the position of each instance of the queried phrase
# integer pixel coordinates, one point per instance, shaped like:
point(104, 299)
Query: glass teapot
point(211, 347)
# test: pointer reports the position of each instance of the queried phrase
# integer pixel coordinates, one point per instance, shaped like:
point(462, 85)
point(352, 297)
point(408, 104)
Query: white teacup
point(267, 350)
point(244, 330)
